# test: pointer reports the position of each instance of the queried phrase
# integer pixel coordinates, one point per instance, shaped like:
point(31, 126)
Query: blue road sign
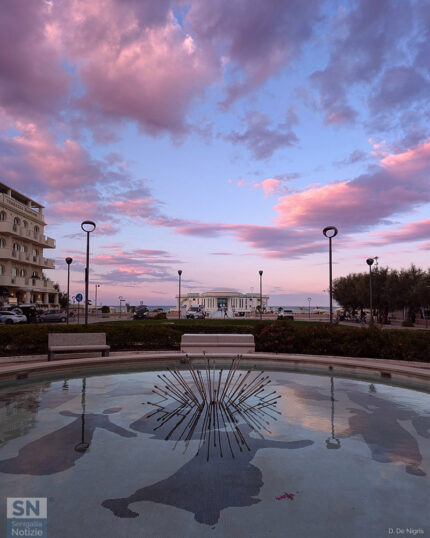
point(79, 297)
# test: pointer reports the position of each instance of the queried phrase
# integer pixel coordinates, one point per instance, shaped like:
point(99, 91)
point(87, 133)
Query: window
point(22, 272)
point(1, 269)
point(36, 229)
point(35, 252)
point(16, 221)
point(25, 224)
point(24, 248)
point(2, 242)
point(2, 215)
point(14, 271)
point(15, 246)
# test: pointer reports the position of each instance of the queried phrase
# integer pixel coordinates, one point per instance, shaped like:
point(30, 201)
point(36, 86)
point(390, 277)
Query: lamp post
point(121, 299)
point(309, 306)
point(369, 262)
point(261, 293)
point(95, 299)
point(68, 261)
point(330, 232)
point(87, 226)
point(179, 295)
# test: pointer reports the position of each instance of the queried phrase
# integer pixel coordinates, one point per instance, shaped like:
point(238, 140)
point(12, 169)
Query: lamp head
point(261, 272)
point(88, 226)
point(179, 272)
point(69, 261)
point(370, 261)
point(330, 231)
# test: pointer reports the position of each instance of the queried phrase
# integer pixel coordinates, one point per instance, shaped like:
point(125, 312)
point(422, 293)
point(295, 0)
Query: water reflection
point(59, 450)
point(332, 442)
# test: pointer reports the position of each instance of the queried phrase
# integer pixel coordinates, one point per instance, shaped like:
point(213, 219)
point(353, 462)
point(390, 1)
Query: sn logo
point(26, 507)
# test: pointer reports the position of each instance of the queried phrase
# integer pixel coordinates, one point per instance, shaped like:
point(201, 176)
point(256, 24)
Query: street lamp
point(261, 293)
point(179, 296)
point(309, 303)
point(330, 232)
point(95, 299)
point(68, 261)
point(369, 262)
point(87, 226)
point(121, 299)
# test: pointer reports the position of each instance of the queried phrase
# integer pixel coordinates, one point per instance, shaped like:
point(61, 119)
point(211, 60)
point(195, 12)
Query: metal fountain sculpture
point(211, 405)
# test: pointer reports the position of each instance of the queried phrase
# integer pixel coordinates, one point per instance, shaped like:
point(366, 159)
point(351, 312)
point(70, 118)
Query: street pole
point(179, 295)
point(95, 300)
point(330, 232)
point(261, 294)
point(369, 262)
point(68, 261)
point(120, 305)
point(309, 301)
point(87, 226)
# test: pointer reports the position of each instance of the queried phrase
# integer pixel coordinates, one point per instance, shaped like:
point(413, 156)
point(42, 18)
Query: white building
point(22, 261)
point(219, 300)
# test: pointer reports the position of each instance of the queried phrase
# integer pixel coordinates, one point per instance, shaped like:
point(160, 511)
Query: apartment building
point(22, 261)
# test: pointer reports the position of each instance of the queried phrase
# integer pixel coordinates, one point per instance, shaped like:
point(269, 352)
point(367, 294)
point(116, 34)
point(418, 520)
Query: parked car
point(195, 312)
point(30, 311)
point(53, 315)
point(8, 317)
point(155, 313)
point(285, 314)
point(141, 312)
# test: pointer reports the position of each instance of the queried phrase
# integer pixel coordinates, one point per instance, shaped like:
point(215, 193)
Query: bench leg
point(50, 355)
point(105, 353)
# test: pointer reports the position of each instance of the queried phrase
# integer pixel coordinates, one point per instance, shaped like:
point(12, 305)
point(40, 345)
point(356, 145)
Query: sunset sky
point(220, 137)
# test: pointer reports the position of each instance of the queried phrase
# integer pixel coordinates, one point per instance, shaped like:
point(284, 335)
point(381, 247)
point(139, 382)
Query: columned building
point(225, 300)
point(22, 261)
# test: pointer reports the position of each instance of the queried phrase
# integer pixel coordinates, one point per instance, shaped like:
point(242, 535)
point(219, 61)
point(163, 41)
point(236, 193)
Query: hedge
point(276, 337)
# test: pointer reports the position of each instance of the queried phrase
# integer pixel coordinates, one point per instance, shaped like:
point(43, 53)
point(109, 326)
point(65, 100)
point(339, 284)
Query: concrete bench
point(76, 343)
point(218, 343)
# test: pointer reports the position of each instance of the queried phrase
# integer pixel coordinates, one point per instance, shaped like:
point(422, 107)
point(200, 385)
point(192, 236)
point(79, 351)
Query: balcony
point(47, 263)
point(7, 227)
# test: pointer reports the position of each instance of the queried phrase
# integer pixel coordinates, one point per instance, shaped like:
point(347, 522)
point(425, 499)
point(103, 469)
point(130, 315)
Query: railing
point(11, 228)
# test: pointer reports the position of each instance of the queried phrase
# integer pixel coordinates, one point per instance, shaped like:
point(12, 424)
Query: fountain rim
point(410, 375)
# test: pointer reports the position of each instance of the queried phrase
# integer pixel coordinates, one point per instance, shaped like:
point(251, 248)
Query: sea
point(295, 308)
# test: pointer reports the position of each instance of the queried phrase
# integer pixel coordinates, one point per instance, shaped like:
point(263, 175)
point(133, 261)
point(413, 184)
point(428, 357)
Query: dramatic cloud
point(261, 139)
point(398, 185)
point(413, 231)
point(399, 85)
point(33, 82)
point(364, 38)
point(256, 39)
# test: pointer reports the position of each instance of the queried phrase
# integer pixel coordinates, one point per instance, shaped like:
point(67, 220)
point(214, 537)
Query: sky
point(219, 138)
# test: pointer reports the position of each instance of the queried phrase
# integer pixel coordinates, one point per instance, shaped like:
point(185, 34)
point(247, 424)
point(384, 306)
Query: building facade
point(22, 261)
point(227, 301)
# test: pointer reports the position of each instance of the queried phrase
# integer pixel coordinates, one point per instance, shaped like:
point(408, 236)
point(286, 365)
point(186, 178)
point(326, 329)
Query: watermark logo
point(26, 516)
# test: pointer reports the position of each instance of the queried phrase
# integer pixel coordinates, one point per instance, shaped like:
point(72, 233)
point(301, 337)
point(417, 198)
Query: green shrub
point(276, 337)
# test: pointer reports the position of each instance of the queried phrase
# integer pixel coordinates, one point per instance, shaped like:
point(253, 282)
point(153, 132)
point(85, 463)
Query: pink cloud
point(33, 81)
point(398, 185)
point(134, 67)
point(270, 186)
point(135, 208)
point(412, 231)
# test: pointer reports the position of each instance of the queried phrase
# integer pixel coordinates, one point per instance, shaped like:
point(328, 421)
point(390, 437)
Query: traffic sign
point(79, 297)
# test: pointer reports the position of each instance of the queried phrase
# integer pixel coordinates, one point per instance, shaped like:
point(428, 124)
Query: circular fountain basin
point(338, 457)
